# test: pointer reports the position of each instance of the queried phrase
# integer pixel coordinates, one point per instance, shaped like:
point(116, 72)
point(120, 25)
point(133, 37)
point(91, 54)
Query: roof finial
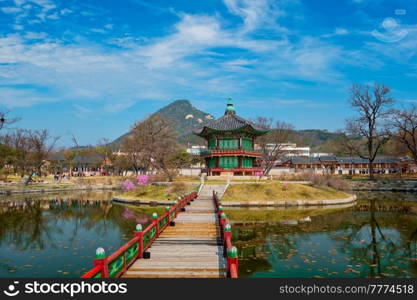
point(230, 109)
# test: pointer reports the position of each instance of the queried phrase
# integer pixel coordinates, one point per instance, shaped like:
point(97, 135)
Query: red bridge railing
point(230, 251)
point(117, 263)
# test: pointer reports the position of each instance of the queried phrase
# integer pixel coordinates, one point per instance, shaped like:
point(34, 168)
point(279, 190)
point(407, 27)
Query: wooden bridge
point(191, 240)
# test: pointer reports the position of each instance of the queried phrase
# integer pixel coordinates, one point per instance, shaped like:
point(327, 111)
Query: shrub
point(337, 183)
point(142, 179)
point(128, 185)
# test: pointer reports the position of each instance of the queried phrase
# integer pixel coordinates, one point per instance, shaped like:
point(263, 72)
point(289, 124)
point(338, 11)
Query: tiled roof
point(230, 121)
point(79, 159)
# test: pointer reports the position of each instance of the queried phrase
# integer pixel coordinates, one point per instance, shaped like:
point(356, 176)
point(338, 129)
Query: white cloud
point(65, 11)
point(35, 35)
point(194, 60)
point(255, 12)
point(81, 111)
point(11, 10)
point(341, 31)
point(18, 27)
point(11, 97)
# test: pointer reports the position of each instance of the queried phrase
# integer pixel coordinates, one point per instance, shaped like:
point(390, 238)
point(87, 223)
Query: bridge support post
point(155, 223)
point(232, 262)
point(101, 261)
point(139, 235)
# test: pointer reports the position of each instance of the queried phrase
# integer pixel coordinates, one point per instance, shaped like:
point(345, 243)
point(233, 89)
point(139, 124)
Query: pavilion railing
point(230, 251)
point(231, 152)
point(117, 263)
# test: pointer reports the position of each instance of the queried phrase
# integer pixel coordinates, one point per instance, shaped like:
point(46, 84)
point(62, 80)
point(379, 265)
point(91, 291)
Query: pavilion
point(230, 144)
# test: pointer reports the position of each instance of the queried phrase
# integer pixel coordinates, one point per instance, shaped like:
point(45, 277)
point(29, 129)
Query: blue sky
point(91, 68)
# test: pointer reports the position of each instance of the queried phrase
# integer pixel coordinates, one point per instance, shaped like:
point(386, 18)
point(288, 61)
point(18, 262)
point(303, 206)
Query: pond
point(376, 237)
point(56, 235)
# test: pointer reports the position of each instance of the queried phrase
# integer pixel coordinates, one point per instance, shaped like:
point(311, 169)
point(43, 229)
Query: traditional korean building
point(230, 144)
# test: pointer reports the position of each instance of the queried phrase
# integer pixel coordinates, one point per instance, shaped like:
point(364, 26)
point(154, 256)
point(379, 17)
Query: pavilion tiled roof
point(230, 121)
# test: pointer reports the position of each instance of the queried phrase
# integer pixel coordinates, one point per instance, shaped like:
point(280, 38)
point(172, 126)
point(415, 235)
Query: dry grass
point(275, 192)
point(156, 192)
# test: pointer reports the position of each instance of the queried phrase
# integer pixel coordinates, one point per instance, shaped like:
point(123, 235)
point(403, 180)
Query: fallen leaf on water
point(332, 251)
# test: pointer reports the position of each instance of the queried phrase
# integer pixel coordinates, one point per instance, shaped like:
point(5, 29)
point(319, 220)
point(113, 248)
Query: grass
point(274, 215)
point(156, 192)
point(276, 192)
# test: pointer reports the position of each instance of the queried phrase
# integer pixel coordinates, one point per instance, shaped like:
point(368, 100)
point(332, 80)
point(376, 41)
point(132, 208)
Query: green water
point(56, 235)
point(364, 240)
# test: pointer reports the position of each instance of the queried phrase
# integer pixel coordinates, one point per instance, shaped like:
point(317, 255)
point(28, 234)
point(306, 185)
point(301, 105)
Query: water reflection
point(371, 239)
point(56, 235)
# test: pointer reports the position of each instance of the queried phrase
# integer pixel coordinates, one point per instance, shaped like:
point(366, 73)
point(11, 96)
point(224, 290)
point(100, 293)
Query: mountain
point(185, 117)
point(313, 138)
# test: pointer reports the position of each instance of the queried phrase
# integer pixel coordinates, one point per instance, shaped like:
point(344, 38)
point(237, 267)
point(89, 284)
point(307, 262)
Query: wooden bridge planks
point(190, 249)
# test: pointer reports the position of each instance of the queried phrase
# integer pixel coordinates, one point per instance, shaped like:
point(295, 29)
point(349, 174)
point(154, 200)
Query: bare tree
point(274, 142)
point(121, 164)
point(104, 152)
point(403, 129)
point(18, 140)
point(367, 132)
point(4, 120)
point(42, 144)
point(151, 144)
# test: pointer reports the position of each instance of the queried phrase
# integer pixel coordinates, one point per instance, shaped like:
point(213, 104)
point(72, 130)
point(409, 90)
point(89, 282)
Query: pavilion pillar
point(217, 161)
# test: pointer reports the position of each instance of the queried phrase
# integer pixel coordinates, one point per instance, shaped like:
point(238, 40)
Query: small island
point(283, 194)
point(155, 194)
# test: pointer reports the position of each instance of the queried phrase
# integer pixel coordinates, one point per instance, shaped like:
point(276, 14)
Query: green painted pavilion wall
point(228, 162)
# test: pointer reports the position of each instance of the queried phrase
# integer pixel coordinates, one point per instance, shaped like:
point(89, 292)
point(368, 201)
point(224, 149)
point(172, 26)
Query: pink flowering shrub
point(259, 174)
point(128, 185)
point(142, 179)
point(285, 186)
